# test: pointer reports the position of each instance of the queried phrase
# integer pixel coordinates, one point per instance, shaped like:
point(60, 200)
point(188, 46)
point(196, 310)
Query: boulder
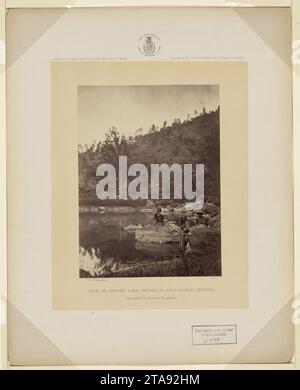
point(211, 209)
point(173, 228)
point(215, 222)
point(133, 228)
point(180, 211)
point(150, 204)
point(157, 234)
point(194, 206)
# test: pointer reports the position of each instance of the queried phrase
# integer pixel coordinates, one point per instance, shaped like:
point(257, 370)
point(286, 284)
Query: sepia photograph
point(149, 181)
point(147, 150)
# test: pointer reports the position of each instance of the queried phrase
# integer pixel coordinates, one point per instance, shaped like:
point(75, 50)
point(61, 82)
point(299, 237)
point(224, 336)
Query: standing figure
point(185, 239)
point(158, 216)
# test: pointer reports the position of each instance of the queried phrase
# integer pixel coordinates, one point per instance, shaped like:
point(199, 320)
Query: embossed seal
point(149, 45)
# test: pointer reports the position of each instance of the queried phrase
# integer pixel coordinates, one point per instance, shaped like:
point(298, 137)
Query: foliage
point(194, 141)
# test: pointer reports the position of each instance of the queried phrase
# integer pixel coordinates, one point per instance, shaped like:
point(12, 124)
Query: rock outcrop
point(157, 234)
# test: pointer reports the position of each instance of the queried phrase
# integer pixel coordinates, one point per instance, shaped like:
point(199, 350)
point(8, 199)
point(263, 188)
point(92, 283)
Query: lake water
point(106, 232)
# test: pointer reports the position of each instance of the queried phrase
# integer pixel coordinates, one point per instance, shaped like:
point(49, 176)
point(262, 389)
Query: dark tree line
point(193, 141)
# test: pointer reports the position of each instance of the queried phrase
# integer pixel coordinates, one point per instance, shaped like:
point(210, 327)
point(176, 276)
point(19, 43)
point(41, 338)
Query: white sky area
point(129, 108)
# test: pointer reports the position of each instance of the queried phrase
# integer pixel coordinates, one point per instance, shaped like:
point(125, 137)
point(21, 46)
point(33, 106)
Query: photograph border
point(227, 291)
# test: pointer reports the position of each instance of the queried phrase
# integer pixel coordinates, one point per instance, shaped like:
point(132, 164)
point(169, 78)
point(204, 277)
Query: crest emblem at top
point(149, 45)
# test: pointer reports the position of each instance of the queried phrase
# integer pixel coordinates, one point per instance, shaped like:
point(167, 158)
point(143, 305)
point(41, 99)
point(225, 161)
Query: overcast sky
point(129, 108)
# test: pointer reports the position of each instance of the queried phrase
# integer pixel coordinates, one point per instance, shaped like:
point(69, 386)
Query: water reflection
point(105, 246)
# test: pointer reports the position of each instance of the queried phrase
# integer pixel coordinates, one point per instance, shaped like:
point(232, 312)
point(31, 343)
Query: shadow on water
point(106, 232)
point(108, 250)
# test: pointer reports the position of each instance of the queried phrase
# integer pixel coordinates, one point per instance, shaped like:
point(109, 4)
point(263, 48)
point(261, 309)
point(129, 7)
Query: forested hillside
point(193, 141)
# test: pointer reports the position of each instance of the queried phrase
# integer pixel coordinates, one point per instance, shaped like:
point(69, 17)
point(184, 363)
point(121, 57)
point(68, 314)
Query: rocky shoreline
point(162, 242)
point(203, 259)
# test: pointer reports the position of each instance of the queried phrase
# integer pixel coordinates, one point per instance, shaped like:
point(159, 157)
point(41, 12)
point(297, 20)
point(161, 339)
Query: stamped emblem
point(149, 45)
